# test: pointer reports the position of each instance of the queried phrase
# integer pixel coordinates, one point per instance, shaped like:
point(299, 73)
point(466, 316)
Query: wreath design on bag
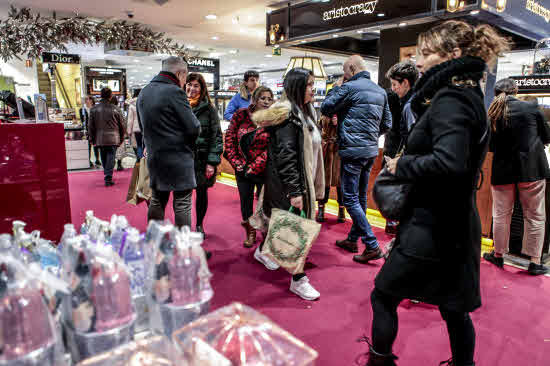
point(294, 226)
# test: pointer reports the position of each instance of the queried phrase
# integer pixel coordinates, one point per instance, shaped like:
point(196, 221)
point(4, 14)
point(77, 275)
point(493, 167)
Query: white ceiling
point(239, 27)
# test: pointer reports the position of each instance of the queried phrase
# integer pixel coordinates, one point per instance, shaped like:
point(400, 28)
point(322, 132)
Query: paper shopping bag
point(289, 239)
point(144, 192)
point(131, 197)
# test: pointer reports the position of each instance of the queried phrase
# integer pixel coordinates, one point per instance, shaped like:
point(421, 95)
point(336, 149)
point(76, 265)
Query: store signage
point(533, 84)
point(60, 58)
point(534, 7)
point(206, 66)
point(345, 11)
point(202, 62)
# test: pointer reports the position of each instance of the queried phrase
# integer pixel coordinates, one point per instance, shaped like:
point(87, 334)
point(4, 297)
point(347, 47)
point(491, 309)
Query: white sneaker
point(265, 260)
point(303, 289)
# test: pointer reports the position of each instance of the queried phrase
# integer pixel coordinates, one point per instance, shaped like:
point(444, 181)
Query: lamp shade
point(308, 62)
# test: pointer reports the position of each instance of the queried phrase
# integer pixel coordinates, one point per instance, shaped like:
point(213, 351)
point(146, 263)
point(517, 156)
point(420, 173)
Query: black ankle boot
point(377, 359)
point(450, 362)
point(321, 213)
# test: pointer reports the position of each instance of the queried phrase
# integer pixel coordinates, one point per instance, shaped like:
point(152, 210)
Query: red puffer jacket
point(253, 161)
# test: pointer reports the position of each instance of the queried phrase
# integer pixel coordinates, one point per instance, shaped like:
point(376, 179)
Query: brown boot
point(250, 234)
point(368, 255)
point(341, 214)
point(321, 213)
point(348, 245)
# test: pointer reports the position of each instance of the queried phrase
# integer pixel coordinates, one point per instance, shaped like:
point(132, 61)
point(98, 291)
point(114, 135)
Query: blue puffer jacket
point(236, 103)
point(363, 115)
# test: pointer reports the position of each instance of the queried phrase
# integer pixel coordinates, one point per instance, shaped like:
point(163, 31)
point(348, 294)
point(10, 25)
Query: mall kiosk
point(388, 30)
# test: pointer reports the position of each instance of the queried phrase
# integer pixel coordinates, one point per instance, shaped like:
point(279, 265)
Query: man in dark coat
point(106, 130)
point(170, 130)
point(363, 114)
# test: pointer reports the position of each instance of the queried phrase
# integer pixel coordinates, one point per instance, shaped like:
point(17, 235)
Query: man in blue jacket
point(363, 114)
point(242, 99)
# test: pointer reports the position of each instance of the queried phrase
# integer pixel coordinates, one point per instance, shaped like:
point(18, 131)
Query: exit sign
point(276, 51)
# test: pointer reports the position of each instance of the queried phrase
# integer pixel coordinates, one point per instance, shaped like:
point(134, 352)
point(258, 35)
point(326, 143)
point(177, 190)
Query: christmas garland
point(294, 226)
point(25, 33)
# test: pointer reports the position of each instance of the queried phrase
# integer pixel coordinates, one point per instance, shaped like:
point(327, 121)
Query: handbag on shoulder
point(390, 194)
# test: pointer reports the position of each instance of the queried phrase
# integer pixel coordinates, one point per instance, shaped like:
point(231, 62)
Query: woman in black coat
point(519, 164)
point(209, 145)
point(437, 252)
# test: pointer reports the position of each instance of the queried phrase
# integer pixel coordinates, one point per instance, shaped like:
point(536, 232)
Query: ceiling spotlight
point(381, 15)
point(268, 56)
point(474, 12)
point(335, 36)
point(136, 60)
point(233, 52)
point(233, 61)
point(302, 41)
point(235, 20)
point(211, 17)
point(191, 47)
point(360, 31)
point(150, 67)
point(215, 38)
point(403, 24)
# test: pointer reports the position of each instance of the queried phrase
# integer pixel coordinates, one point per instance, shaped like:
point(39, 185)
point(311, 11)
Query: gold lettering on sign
point(367, 7)
point(534, 7)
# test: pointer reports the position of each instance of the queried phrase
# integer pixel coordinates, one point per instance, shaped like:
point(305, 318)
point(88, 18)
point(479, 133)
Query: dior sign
point(60, 58)
point(362, 8)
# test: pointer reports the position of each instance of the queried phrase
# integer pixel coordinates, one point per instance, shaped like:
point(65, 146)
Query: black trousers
point(324, 201)
point(246, 195)
point(108, 161)
point(96, 153)
point(201, 203)
point(182, 206)
point(384, 328)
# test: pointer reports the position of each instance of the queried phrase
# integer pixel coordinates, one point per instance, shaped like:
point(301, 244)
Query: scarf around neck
point(194, 101)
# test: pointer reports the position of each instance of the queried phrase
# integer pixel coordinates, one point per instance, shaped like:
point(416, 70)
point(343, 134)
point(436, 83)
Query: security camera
point(130, 14)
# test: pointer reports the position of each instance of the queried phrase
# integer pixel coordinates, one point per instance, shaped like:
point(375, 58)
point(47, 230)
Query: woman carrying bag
point(246, 151)
point(519, 164)
point(294, 176)
point(436, 257)
point(209, 145)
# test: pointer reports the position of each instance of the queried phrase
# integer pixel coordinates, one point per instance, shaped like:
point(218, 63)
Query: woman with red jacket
point(246, 150)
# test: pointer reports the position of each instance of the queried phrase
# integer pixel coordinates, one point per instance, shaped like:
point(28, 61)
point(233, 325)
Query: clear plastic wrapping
point(28, 336)
point(98, 315)
point(178, 278)
point(152, 351)
point(244, 337)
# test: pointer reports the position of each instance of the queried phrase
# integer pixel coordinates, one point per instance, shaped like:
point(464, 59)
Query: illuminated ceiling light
point(191, 47)
point(381, 15)
point(360, 31)
point(501, 5)
point(403, 24)
point(235, 20)
point(302, 41)
point(335, 36)
point(268, 56)
point(136, 60)
point(308, 62)
point(211, 17)
point(453, 5)
point(215, 38)
point(233, 52)
point(474, 12)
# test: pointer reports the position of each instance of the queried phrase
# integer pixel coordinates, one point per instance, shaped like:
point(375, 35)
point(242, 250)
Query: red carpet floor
point(513, 326)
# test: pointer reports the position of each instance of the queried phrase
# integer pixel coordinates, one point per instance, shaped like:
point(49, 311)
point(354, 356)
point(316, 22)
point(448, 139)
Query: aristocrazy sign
point(534, 84)
point(362, 8)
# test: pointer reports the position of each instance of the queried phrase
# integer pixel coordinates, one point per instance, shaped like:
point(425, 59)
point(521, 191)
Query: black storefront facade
point(387, 31)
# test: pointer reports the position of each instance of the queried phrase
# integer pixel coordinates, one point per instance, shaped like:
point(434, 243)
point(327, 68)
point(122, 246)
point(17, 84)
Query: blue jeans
point(355, 181)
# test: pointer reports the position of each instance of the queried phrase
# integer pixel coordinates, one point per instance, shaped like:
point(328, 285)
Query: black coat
point(209, 146)
point(363, 115)
point(519, 146)
point(437, 253)
point(170, 130)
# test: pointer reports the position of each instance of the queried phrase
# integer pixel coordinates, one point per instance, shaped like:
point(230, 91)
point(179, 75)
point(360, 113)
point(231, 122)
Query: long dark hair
point(295, 85)
point(499, 107)
point(194, 76)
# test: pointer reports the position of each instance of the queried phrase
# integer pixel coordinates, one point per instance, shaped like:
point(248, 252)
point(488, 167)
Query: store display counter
point(33, 178)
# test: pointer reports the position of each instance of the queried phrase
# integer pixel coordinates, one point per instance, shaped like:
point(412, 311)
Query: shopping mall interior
point(81, 264)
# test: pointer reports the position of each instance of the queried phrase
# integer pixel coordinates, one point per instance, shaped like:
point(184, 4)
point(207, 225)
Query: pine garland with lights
point(25, 33)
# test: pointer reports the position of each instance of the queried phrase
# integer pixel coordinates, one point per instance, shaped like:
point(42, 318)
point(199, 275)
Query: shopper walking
point(243, 98)
point(246, 151)
point(519, 166)
point(294, 172)
point(331, 161)
point(209, 145)
point(84, 111)
point(363, 114)
point(106, 131)
point(119, 155)
point(170, 130)
point(437, 253)
point(134, 130)
point(402, 76)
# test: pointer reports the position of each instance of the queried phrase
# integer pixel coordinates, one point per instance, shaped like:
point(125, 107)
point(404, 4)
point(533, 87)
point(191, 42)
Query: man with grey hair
point(363, 114)
point(170, 130)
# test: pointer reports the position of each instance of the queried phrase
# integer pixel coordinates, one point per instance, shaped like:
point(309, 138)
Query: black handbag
point(390, 194)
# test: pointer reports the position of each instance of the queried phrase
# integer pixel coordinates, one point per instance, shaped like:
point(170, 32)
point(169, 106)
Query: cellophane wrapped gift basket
point(178, 278)
point(244, 337)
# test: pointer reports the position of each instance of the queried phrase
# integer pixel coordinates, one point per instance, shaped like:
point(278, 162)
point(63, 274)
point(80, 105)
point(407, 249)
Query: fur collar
point(462, 72)
point(274, 115)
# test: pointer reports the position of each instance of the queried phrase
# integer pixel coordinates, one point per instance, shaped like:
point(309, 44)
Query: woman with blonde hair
point(519, 165)
point(436, 256)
